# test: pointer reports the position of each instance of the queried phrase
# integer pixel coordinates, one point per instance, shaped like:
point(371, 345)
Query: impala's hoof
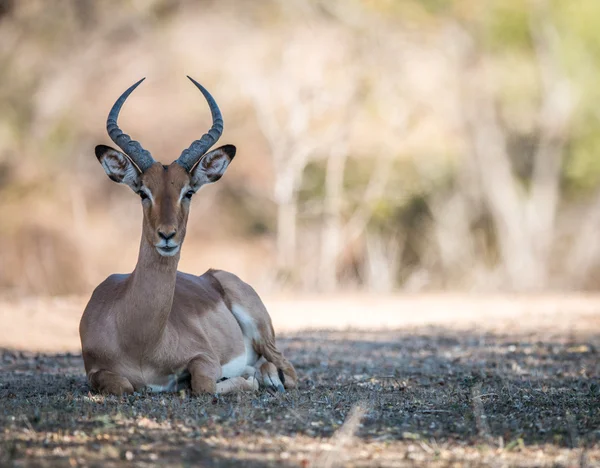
point(253, 383)
point(273, 384)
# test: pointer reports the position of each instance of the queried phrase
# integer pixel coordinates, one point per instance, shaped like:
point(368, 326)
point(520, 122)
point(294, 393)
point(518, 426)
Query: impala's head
point(165, 191)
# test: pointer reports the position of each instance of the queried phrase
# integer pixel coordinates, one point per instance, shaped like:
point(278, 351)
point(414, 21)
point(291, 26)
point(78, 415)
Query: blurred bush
point(440, 144)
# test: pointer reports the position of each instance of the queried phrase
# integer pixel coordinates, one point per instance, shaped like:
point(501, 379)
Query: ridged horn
point(141, 158)
point(190, 157)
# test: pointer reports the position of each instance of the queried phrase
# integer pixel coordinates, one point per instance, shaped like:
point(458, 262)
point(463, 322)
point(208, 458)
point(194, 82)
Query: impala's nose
point(167, 246)
point(167, 235)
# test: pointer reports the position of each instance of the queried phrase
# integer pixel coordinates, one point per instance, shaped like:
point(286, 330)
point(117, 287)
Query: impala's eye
point(143, 195)
point(189, 194)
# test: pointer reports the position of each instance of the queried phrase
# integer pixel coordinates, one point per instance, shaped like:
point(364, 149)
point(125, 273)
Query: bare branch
point(554, 119)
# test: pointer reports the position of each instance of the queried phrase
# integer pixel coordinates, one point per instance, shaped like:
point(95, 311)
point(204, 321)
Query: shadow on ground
point(432, 397)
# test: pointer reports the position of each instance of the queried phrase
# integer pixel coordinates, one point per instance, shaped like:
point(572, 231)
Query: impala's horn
point(190, 157)
point(140, 157)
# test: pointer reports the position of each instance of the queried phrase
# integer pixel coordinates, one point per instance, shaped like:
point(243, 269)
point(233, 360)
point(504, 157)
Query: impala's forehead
point(159, 178)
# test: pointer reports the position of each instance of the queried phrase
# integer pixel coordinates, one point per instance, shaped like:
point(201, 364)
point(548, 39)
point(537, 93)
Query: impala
point(160, 329)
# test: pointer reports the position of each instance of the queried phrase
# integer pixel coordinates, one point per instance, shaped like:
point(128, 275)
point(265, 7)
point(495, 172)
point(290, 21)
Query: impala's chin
point(167, 250)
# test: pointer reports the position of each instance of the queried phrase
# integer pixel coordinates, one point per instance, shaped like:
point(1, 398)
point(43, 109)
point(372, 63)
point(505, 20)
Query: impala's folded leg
point(285, 370)
point(255, 322)
point(204, 370)
point(269, 376)
point(251, 371)
point(237, 384)
point(105, 381)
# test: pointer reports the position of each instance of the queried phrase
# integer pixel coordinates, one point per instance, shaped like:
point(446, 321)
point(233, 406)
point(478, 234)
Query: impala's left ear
point(212, 166)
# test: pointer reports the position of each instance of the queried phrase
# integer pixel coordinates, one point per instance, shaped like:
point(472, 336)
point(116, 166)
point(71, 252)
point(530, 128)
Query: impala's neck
point(149, 296)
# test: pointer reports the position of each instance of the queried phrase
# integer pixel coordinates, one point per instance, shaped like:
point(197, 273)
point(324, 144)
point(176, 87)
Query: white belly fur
point(237, 365)
point(249, 330)
point(234, 368)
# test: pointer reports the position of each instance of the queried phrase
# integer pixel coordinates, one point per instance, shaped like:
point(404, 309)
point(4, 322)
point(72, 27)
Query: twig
point(480, 418)
point(342, 438)
point(426, 447)
point(572, 428)
point(282, 398)
point(369, 379)
point(24, 418)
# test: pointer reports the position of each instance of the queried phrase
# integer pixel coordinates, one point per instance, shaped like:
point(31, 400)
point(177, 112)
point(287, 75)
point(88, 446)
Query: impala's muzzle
point(167, 249)
point(167, 246)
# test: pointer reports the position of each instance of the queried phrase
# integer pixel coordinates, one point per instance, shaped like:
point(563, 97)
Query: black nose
point(168, 235)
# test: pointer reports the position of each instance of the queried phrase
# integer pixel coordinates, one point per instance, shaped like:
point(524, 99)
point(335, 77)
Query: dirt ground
point(444, 381)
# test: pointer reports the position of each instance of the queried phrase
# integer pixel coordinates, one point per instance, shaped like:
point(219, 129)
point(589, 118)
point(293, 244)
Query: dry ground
point(450, 382)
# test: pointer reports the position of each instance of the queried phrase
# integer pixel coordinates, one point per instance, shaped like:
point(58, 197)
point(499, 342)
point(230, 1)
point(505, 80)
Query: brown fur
point(146, 327)
point(243, 294)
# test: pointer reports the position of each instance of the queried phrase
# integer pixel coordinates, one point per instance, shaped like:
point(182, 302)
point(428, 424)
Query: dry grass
point(419, 396)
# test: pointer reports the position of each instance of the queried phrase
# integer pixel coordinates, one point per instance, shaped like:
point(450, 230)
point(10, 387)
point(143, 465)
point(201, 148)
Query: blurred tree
point(415, 144)
point(293, 99)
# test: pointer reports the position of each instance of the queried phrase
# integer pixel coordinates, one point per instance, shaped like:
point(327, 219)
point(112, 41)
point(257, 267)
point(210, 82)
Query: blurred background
point(414, 145)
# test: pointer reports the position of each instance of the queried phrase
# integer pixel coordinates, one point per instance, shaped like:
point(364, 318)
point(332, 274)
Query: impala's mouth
point(167, 250)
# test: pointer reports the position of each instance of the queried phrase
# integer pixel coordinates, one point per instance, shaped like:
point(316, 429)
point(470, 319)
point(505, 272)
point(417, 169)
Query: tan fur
point(151, 327)
point(243, 294)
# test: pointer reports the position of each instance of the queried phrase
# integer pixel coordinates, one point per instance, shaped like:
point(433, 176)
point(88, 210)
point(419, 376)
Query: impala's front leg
point(237, 384)
point(204, 370)
point(105, 381)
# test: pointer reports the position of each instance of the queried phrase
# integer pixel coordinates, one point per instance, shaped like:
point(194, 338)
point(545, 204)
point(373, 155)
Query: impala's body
point(161, 329)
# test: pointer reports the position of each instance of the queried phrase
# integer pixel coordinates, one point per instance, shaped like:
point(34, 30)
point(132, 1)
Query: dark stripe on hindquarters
point(281, 376)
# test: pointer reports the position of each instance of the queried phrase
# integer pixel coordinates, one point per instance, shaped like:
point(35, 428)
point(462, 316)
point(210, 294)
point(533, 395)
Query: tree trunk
point(331, 237)
point(287, 210)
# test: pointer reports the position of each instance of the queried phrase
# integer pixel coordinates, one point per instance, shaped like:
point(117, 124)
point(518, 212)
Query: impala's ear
point(119, 167)
point(212, 166)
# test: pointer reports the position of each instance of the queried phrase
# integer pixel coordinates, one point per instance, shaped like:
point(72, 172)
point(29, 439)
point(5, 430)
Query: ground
point(504, 391)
